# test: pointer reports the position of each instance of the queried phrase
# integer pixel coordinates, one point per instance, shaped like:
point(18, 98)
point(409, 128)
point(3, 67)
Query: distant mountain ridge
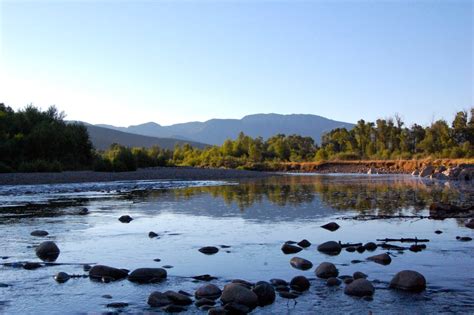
point(216, 131)
point(102, 138)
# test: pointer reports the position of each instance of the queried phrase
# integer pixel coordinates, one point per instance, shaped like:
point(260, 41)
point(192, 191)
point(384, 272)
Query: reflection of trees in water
point(385, 194)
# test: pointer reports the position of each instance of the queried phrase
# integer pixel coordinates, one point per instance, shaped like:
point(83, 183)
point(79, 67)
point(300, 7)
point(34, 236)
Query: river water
point(254, 218)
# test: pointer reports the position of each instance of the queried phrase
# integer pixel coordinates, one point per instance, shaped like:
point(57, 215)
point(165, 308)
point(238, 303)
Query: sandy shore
point(165, 173)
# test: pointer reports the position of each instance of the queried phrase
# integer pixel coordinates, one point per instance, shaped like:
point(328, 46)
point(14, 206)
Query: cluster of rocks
point(459, 172)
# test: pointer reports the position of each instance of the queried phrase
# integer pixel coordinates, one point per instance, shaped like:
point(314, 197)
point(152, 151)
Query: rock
point(178, 298)
point(370, 246)
point(87, 268)
point(83, 211)
point(147, 275)
point(107, 296)
point(330, 248)
point(125, 219)
point(348, 280)
point(173, 309)
point(304, 243)
point(208, 291)
point(209, 250)
point(326, 270)
point(290, 249)
point(300, 282)
point(265, 293)
point(204, 278)
point(100, 271)
point(350, 249)
point(62, 277)
point(417, 247)
point(383, 259)
point(360, 249)
point(331, 282)
point(465, 238)
point(301, 263)
point(245, 283)
point(360, 288)
point(408, 280)
point(236, 308)
point(217, 311)
point(167, 266)
point(39, 233)
point(426, 171)
point(237, 293)
point(438, 232)
point(48, 251)
point(152, 234)
point(117, 305)
point(359, 275)
point(158, 299)
point(470, 224)
point(32, 265)
point(202, 302)
point(371, 171)
point(416, 172)
point(281, 288)
point(466, 174)
point(438, 176)
point(288, 295)
point(331, 226)
point(277, 282)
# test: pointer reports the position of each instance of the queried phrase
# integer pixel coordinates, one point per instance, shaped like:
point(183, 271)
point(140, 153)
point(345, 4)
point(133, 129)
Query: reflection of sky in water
point(254, 218)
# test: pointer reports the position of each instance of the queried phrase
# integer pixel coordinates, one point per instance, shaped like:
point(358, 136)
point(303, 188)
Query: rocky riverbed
point(298, 244)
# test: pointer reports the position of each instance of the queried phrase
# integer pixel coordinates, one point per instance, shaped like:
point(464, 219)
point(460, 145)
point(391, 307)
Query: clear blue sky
point(125, 63)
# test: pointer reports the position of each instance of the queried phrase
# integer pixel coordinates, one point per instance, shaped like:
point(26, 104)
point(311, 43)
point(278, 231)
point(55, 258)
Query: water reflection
point(383, 194)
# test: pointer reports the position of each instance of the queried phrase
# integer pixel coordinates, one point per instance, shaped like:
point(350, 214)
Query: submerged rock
point(290, 249)
point(32, 265)
point(304, 243)
point(408, 280)
point(208, 291)
point(48, 251)
point(360, 287)
point(300, 283)
point(359, 275)
point(277, 282)
point(326, 270)
point(237, 293)
point(333, 281)
point(83, 211)
point(383, 259)
point(178, 298)
point(117, 305)
point(39, 233)
point(301, 263)
point(62, 277)
point(265, 293)
point(330, 248)
point(99, 272)
point(158, 299)
point(209, 250)
point(125, 219)
point(331, 226)
point(147, 275)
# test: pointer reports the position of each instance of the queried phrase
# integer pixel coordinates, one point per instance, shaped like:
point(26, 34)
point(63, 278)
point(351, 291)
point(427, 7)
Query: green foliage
point(35, 140)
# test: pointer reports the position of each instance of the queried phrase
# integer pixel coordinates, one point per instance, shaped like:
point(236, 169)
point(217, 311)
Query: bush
point(40, 166)
point(347, 156)
point(5, 168)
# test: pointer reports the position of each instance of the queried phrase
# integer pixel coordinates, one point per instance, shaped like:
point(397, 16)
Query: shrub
point(40, 166)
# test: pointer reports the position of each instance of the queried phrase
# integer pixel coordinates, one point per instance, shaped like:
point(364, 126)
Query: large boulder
point(427, 171)
point(208, 291)
point(100, 271)
point(408, 280)
point(383, 259)
point(147, 275)
point(301, 263)
point(330, 248)
point(48, 251)
point(237, 293)
point(360, 287)
point(326, 270)
point(265, 293)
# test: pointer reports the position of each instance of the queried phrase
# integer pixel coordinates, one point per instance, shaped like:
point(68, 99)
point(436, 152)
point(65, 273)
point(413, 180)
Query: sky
point(131, 62)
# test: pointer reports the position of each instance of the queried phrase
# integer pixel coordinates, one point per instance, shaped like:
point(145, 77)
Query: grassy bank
point(385, 166)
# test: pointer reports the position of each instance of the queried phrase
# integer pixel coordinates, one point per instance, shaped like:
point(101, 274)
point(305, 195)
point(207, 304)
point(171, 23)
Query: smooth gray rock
point(237, 293)
point(208, 291)
point(330, 248)
point(408, 280)
point(48, 251)
point(360, 287)
point(301, 263)
point(326, 270)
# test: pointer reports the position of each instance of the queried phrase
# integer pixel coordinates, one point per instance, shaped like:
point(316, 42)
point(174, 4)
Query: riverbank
point(155, 173)
point(363, 166)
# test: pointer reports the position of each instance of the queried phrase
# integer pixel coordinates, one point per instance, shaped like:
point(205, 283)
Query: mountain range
point(216, 131)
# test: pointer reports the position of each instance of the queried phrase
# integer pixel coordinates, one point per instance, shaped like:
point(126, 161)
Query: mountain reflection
point(386, 194)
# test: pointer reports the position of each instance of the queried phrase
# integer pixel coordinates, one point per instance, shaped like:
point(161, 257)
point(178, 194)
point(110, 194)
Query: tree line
point(33, 140)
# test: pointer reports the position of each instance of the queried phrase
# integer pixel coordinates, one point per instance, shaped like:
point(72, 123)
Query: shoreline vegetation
point(32, 140)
